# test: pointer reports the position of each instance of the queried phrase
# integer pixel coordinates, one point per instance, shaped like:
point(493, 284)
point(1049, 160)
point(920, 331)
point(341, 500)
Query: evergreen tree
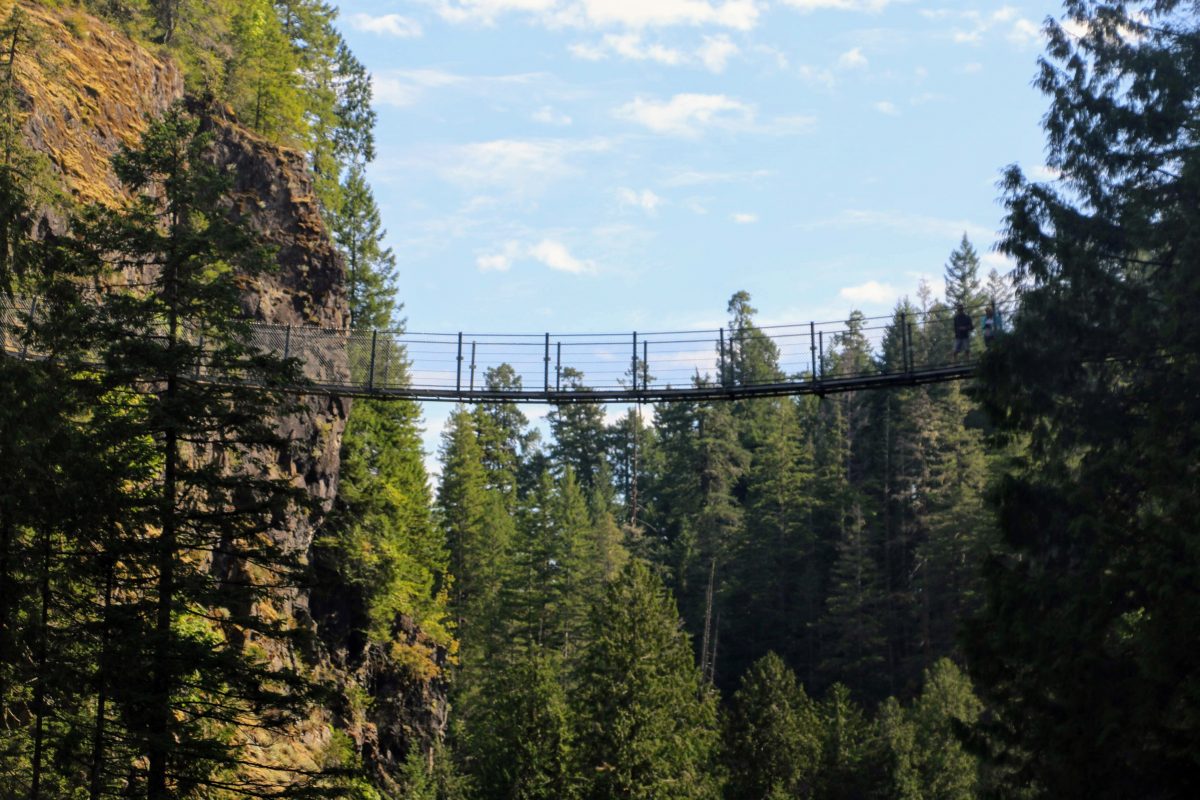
point(370, 267)
point(944, 708)
point(847, 746)
point(382, 542)
point(520, 745)
point(962, 276)
point(478, 529)
point(579, 436)
point(262, 77)
point(189, 680)
point(1085, 651)
point(773, 735)
point(646, 725)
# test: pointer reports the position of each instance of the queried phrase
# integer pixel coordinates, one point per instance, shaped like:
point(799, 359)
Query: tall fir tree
point(195, 680)
point(773, 735)
point(1085, 650)
point(646, 724)
point(962, 276)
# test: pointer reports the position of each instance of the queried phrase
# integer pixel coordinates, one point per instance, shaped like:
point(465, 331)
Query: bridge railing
point(467, 364)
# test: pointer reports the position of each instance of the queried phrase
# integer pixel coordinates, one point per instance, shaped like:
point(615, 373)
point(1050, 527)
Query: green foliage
point(773, 738)
point(646, 725)
point(1085, 650)
point(370, 267)
point(383, 540)
point(519, 745)
point(962, 277)
point(188, 680)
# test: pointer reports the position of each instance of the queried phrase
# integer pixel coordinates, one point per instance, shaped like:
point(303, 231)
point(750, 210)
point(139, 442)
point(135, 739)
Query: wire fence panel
point(913, 347)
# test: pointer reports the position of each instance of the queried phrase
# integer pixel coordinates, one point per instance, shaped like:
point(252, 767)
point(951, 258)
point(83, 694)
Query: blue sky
point(609, 165)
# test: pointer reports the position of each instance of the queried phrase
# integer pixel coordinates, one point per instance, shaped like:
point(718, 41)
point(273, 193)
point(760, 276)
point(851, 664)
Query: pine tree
point(370, 267)
point(945, 706)
point(478, 529)
point(646, 725)
point(773, 735)
point(579, 437)
point(520, 745)
point(190, 680)
point(1085, 652)
point(262, 77)
point(771, 594)
point(847, 745)
point(962, 276)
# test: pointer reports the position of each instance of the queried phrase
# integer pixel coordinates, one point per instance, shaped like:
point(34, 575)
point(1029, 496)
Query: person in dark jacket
point(962, 332)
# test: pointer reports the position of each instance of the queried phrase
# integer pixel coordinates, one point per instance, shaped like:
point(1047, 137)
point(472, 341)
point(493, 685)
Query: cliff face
point(85, 90)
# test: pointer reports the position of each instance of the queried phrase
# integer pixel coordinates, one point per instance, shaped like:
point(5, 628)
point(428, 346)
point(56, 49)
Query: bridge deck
point(632, 367)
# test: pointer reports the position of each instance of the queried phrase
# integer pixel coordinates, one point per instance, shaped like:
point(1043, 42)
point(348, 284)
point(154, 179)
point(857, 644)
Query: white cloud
point(403, 88)
point(852, 59)
point(739, 15)
point(1044, 174)
point(1024, 32)
point(873, 6)
point(629, 46)
point(556, 256)
point(887, 107)
point(977, 25)
point(548, 116)
point(698, 178)
point(716, 52)
point(518, 165)
point(646, 200)
point(818, 76)
point(501, 261)
point(869, 292)
point(742, 218)
point(972, 67)
point(387, 25)
point(997, 261)
point(549, 252)
point(688, 114)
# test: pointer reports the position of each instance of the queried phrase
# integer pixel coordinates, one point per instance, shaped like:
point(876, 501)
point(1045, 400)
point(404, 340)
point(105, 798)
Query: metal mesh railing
point(458, 365)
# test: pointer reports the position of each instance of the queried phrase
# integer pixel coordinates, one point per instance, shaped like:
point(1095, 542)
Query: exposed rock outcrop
point(86, 90)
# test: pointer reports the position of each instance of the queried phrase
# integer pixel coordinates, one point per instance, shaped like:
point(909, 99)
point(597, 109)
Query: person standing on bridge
point(962, 332)
point(993, 324)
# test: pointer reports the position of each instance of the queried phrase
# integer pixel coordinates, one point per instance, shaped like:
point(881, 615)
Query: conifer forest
point(979, 588)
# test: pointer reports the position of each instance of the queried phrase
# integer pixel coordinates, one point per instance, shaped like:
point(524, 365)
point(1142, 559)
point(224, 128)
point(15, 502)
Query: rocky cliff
point(85, 89)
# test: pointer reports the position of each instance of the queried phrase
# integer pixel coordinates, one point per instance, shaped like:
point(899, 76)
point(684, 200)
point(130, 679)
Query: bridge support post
point(558, 368)
point(287, 342)
point(812, 346)
point(721, 357)
point(645, 365)
point(910, 347)
point(904, 341)
point(371, 370)
point(546, 363)
point(472, 366)
point(200, 351)
point(458, 371)
point(821, 360)
point(633, 370)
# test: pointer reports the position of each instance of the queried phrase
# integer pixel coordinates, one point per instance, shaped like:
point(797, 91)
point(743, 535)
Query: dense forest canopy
point(959, 590)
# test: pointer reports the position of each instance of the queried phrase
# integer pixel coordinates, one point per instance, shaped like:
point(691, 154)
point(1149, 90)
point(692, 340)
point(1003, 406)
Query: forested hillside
point(978, 588)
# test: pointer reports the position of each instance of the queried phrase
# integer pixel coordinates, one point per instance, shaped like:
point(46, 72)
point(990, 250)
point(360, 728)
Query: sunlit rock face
point(85, 89)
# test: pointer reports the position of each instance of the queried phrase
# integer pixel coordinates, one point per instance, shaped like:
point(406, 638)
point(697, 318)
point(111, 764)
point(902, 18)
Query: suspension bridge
point(906, 349)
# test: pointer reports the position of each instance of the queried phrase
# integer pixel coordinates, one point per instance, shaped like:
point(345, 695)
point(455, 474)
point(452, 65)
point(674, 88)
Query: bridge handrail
point(631, 365)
